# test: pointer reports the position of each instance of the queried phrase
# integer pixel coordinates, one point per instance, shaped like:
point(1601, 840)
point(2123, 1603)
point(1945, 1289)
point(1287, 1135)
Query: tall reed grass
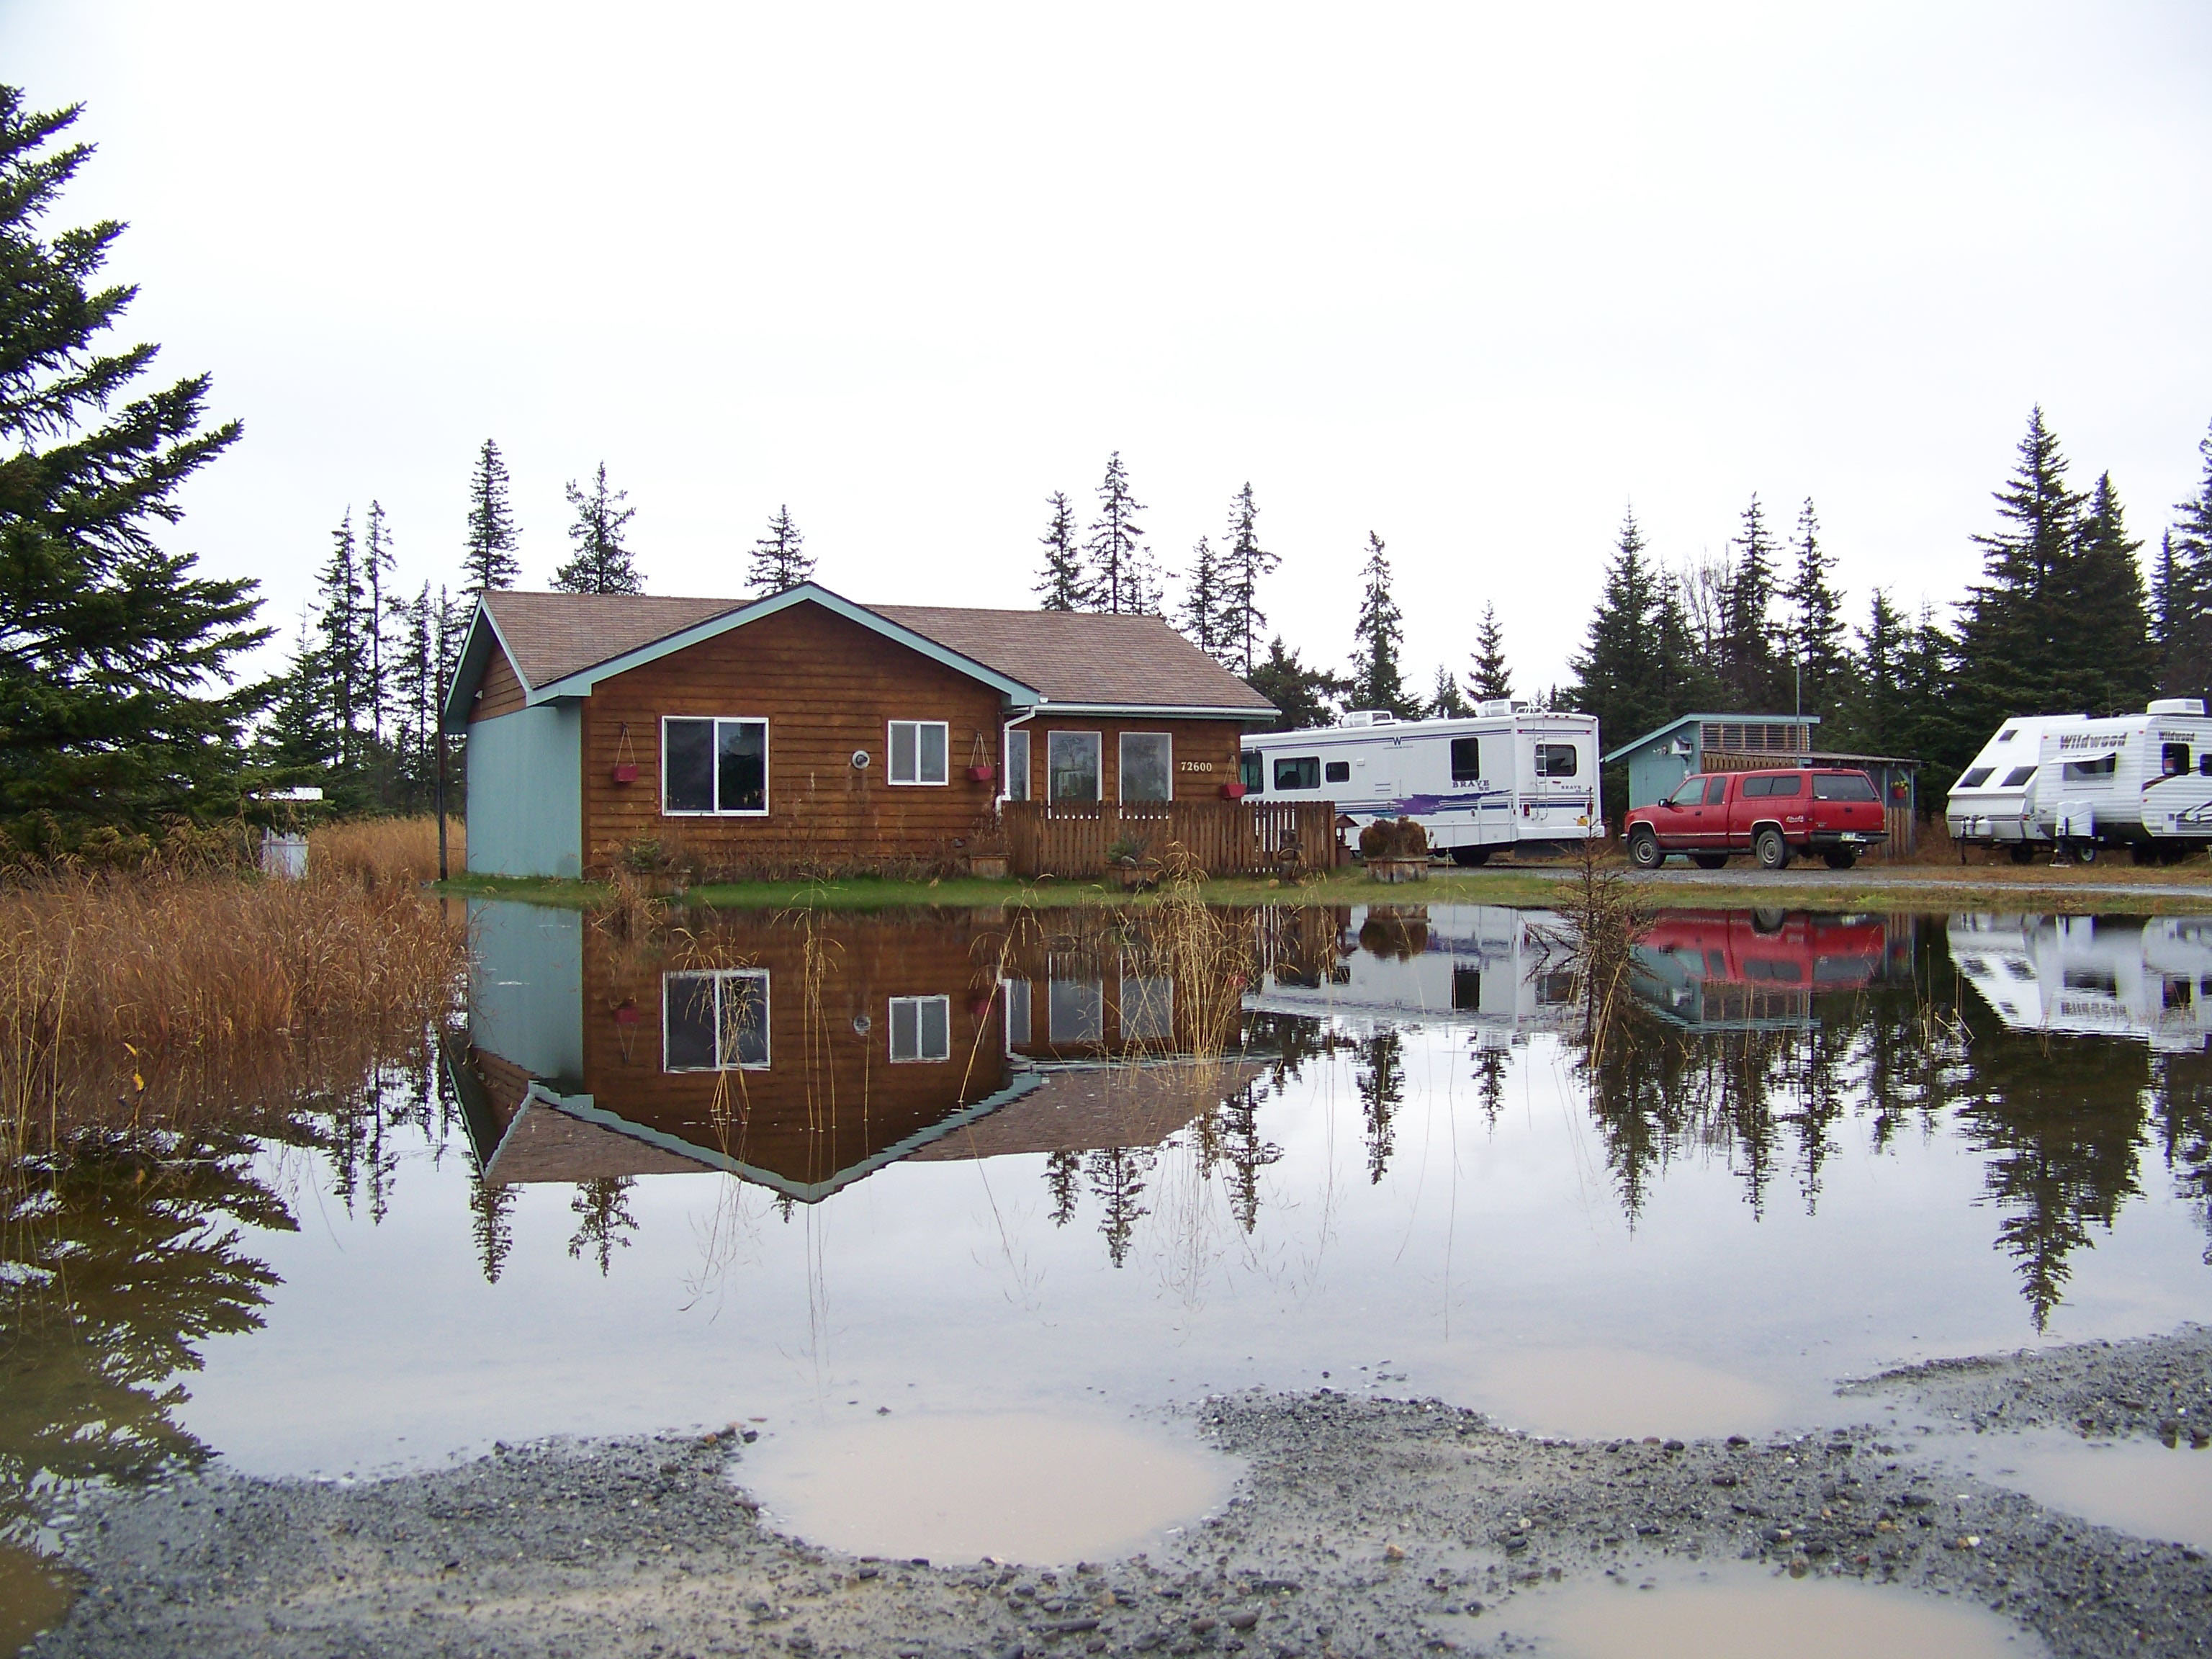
point(385, 849)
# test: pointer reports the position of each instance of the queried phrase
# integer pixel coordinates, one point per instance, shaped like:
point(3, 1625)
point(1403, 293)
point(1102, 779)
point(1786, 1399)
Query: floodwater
point(875, 1183)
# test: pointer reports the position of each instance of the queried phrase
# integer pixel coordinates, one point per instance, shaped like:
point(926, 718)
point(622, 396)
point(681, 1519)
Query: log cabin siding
point(827, 687)
point(1212, 745)
point(500, 691)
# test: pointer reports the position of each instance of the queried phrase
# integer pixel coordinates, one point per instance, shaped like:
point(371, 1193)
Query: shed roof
point(1703, 718)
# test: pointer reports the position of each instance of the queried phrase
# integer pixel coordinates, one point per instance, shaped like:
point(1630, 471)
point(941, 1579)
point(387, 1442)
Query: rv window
point(918, 752)
point(2204, 764)
point(1758, 788)
point(2089, 771)
point(1716, 791)
point(1976, 777)
point(1301, 773)
point(1467, 759)
point(2017, 776)
point(1254, 773)
point(1792, 785)
point(1018, 766)
point(1688, 795)
point(714, 1022)
point(1148, 766)
point(1071, 760)
point(1555, 760)
point(1337, 772)
point(921, 1029)
point(715, 766)
point(2172, 758)
point(1843, 786)
point(2005, 735)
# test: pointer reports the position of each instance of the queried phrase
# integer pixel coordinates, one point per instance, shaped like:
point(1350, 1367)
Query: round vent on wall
point(859, 760)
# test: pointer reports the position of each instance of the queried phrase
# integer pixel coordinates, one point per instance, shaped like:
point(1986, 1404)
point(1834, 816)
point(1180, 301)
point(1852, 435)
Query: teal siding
point(1655, 772)
point(526, 792)
point(526, 986)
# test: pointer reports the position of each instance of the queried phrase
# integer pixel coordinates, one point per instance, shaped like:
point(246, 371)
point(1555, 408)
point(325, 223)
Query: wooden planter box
point(1397, 870)
point(1136, 874)
point(990, 867)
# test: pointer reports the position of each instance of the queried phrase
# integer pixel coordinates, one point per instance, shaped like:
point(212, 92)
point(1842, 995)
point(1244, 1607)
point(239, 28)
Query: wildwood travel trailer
point(1509, 776)
point(2142, 781)
point(1993, 802)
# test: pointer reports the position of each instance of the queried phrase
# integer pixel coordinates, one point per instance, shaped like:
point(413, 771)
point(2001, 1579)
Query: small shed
point(1659, 761)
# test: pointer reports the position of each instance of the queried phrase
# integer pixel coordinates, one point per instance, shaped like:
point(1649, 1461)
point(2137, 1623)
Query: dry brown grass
point(177, 986)
point(374, 850)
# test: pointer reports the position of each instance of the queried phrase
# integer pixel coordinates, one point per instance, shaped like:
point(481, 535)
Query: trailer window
point(1843, 786)
point(1555, 760)
point(1302, 772)
point(1976, 777)
point(2204, 764)
point(1467, 759)
point(1688, 794)
point(1337, 772)
point(2088, 771)
point(1254, 773)
point(2018, 776)
point(2172, 759)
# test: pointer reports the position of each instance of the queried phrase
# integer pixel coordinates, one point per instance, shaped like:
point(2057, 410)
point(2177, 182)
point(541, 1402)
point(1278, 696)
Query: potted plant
point(1395, 851)
point(1130, 861)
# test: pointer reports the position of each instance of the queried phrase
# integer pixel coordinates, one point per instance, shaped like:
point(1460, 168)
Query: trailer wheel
point(1470, 858)
point(1644, 850)
point(2085, 851)
point(2023, 852)
point(1842, 858)
point(1770, 850)
point(1709, 860)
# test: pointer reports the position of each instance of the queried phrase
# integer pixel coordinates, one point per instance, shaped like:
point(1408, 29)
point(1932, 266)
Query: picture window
point(918, 751)
point(713, 766)
point(921, 1029)
point(715, 1021)
point(1071, 758)
point(1148, 766)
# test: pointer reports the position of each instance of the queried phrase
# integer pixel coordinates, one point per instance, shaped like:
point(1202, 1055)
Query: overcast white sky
point(1473, 277)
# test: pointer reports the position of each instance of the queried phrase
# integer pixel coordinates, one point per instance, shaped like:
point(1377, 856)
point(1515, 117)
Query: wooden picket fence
point(1224, 838)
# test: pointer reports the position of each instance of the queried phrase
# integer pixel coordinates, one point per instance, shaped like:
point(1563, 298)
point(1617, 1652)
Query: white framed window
point(1017, 993)
point(1075, 1010)
point(921, 1029)
point(1148, 766)
point(1147, 1011)
point(713, 767)
point(1018, 763)
point(715, 1021)
point(1072, 759)
point(918, 751)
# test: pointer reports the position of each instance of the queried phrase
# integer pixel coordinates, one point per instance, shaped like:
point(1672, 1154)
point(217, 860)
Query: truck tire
point(1709, 860)
point(2023, 852)
point(1644, 850)
point(1842, 858)
point(1470, 858)
point(1770, 850)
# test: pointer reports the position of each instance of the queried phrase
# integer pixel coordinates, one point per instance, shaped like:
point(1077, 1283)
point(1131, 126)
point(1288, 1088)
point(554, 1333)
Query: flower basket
point(626, 772)
point(982, 774)
point(1232, 792)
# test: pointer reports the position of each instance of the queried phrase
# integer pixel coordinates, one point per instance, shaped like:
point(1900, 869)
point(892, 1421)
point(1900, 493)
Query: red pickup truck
point(1771, 815)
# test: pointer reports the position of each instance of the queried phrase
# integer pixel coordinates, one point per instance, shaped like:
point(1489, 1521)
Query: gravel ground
point(1364, 1527)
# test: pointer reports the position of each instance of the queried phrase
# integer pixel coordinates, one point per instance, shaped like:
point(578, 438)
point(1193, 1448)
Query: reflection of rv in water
point(1756, 969)
point(1511, 776)
point(2142, 977)
point(1506, 971)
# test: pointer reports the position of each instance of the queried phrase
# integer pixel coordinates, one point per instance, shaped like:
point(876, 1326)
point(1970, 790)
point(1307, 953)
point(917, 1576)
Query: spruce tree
point(1379, 639)
point(489, 560)
point(1202, 619)
point(378, 564)
point(1817, 648)
point(601, 562)
point(2166, 615)
point(341, 655)
point(1490, 679)
point(1061, 585)
point(1445, 702)
point(1869, 717)
point(1746, 665)
point(1245, 565)
point(1147, 594)
point(2014, 636)
point(1618, 673)
point(114, 707)
point(2189, 604)
point(2110, 667)
point(1113, 540)
point(1303, 697)
point(780, 559)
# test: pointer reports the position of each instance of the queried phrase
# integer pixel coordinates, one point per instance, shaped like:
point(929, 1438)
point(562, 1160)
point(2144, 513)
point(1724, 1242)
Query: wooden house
point(804, 726)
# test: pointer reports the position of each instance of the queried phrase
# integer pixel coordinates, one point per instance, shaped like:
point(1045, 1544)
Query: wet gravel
point(1364, 1527)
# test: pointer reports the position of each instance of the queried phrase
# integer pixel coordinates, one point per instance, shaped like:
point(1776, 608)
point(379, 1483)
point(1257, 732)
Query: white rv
point(2142, 781)
point(2148, 977)
point(1993, 803)
point(1508, 776)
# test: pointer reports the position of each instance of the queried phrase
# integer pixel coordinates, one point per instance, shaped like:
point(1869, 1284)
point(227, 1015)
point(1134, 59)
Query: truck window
point(1976, 777)
point(1846, 786)
point(1756, 788)
point(1337, 772)
point(1253, 769)
point(1716, 791)
point(2172, 759)
point(1555, 760)
point(1301, 773)
point(2090, 771)
point(1689, 794)
point(1467, 759)
point(2018, 776)
point(1792, 785)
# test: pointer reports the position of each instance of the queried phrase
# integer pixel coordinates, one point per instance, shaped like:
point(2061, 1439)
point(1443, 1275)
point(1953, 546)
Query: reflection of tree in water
point(118, 1260)
point(1490, 1066)
point(602, 1211)
point(1381, 1080)
point(1228, 1136)
point(1117, 1180)
point(491, 1224)
point(1063, 1177)
point(2184, 1100)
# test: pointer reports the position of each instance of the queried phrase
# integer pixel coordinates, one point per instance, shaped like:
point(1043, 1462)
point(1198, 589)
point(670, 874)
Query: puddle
point(33, 1598)
point(1752, 1615)
point(2137, 1486)
point(1018, 1487)
point(1605, 1392)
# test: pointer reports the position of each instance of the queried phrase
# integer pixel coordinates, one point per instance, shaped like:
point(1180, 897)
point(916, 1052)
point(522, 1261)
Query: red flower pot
point(625, 773)
point(1232, 792)
point(982, 774)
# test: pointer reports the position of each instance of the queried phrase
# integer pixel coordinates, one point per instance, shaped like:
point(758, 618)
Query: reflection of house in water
point(1742, 971)
point(1506, 972)
point(805, 1054)
point(2139, 976)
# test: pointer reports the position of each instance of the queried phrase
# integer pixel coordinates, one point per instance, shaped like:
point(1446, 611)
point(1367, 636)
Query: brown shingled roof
point(1078, 656)
point(1071, 657)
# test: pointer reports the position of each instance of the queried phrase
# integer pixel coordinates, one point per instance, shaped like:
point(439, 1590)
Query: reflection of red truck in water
point(1769, 814)
point(1744, 970)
